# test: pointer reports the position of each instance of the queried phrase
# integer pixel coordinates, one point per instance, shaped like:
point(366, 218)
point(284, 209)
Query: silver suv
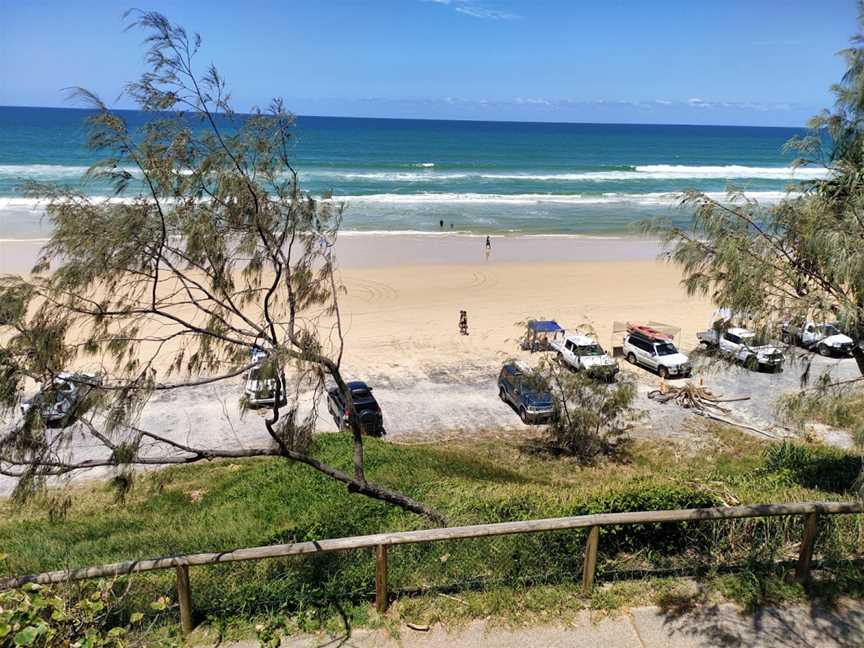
point(657, 354)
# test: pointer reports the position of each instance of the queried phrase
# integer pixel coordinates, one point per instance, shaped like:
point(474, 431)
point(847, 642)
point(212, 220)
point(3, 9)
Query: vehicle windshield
point(828, 330)
point(360, 395)
point(589, 350)
point(665, 349)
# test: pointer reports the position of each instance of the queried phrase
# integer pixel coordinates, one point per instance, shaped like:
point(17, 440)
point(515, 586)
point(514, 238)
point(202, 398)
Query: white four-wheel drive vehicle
point(59, 402)
point(263, 382)
point(742, 346)
point(824, 338)
point(655, 351)
point(582, 353)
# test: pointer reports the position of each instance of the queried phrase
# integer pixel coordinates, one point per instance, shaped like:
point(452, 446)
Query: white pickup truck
point(582, 353)
point(740, 345)
point(824, 338)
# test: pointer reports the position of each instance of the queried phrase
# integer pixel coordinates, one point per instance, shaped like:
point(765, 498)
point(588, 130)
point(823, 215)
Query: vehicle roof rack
point(648, 333)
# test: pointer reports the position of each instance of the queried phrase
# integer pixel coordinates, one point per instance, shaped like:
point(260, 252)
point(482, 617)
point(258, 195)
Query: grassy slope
point(226, 505)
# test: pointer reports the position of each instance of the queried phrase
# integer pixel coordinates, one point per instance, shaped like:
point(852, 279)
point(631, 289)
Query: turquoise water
point(408, 175)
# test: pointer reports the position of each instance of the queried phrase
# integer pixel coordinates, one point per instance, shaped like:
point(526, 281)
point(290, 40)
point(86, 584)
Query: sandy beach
point(404, 293)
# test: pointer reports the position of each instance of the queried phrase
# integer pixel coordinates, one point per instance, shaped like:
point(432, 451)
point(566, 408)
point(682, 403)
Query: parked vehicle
point(59, 403)
point(741, 345)
point(582, 353)
point(262, 382)
point(527, 394)
point(824, 338)
point(367, 408)
point(540, 335)
point(655, 351)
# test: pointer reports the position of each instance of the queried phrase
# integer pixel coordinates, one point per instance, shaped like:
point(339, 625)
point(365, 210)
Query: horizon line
point(449, 119)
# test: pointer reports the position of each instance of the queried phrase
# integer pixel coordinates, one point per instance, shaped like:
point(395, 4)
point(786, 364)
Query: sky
point(756, 62)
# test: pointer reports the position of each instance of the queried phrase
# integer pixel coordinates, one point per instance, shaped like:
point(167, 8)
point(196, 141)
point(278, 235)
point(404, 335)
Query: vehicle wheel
point(631, 358)
point(523, 414)
point(786, 338)
point(752, 363)
point(501, 394)
point(663, 372)
point(824, 350)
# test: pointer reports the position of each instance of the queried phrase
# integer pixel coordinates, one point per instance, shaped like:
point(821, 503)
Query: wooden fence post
point(381, 578)
point(590, 564)
point(805, 556)
point(184, 598)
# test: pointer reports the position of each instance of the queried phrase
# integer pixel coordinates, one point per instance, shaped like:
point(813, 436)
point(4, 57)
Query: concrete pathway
point(646, 627)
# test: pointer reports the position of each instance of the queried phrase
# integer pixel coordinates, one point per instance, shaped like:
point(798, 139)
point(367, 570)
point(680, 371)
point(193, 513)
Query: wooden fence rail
point(381, 541)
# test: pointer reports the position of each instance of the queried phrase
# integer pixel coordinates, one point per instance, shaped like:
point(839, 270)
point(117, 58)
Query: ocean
point(401, 175)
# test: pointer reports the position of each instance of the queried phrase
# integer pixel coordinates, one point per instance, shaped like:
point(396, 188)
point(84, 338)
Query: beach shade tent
point(540, 335)
point(619, 330)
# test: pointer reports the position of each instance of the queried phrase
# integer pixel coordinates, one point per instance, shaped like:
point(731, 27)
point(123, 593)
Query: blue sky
point(755, 62)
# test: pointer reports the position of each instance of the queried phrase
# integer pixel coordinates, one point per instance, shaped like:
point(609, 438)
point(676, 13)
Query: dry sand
point(403, 313)
point(404, 294)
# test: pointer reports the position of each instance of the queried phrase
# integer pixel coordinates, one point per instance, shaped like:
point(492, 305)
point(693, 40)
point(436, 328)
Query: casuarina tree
point(208, 249)
point(802, 259)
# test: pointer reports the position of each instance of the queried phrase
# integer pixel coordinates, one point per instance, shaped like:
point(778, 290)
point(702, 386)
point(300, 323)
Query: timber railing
point(381, 541)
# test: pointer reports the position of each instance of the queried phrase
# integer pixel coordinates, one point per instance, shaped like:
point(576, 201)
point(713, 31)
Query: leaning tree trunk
point(858, 354)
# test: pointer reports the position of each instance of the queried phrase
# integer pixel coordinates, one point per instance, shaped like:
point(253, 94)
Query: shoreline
point(398, 249)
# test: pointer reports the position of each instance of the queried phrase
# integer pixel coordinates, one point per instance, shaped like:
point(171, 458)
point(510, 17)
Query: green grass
point(226, 505)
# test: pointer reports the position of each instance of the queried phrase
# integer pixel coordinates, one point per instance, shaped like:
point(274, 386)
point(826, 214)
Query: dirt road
point(446, 401)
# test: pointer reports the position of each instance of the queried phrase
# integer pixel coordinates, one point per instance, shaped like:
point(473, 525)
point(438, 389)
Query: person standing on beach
point(488, 244)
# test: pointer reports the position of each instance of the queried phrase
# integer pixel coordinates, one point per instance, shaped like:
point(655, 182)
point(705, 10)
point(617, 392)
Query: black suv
point(525, 393)
point(367, 408)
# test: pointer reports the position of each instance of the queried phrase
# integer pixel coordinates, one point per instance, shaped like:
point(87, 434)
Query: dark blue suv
point(525, 393)
point(367, 408)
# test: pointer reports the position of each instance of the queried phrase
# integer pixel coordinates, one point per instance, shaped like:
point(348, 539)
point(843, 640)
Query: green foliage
point(267, 501)
point(591, 417)
point(41, 617)
point(803, 258)
point(836, 405)
point(825, 469)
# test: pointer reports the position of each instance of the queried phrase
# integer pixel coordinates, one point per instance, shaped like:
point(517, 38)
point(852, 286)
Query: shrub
point(818, 468)
point(592, 417)
point(40, 617)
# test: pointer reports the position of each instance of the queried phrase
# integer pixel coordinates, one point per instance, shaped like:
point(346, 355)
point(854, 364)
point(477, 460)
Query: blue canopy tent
point(540, 335)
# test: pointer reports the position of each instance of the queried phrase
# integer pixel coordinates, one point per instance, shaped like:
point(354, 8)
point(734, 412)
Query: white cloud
point(476, 9)
point(547, 104)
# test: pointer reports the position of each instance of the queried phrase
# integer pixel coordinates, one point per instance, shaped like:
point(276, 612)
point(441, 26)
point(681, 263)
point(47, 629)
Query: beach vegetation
point(802, 259)
point(209, 262)
point(518, 579)
point(592, 418)
point(91, 614)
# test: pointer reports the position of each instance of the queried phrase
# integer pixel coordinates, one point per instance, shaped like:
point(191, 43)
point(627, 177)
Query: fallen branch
point(693, 397)
point(714, 417)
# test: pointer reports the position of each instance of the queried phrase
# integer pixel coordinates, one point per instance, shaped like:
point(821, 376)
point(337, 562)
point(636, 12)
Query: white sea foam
point(41, 171)
point(427, 174)
point(15, 202)
point(654, 198)
point(646, 172)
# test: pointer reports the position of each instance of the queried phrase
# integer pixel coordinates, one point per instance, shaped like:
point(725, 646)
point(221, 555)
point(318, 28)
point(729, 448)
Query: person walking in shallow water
point(441, 223)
